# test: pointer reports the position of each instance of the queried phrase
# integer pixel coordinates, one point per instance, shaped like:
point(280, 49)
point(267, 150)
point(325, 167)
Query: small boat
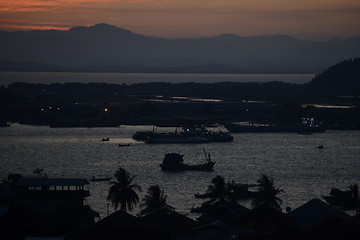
point(124, 145)
point(238, 191)
point(105, 139)
point(175, 162)
point(103, 179)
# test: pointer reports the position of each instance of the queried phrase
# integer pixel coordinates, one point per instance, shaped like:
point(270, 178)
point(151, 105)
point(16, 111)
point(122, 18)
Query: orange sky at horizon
point(307, 19)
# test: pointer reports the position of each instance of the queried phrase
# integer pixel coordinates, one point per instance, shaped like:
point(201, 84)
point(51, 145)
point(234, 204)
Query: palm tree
point(122, 191)
point(154, 199)
point(267, 194)
point(218, 191)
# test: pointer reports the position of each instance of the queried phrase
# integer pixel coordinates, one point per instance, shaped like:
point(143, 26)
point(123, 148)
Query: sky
point(305, 19)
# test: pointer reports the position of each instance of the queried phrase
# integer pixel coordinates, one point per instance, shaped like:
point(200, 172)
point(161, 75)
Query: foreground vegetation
point(123, 193)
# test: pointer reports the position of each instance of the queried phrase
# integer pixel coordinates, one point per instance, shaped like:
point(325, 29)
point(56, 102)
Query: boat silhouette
point(175, 162)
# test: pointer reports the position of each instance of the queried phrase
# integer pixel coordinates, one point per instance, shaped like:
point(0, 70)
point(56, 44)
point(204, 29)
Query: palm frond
point(153, 200)
point(267, 194)
point(122, 192)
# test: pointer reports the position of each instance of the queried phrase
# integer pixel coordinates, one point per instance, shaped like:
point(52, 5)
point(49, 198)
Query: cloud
point(34, 5)
point(19, 24)
point(176, 18)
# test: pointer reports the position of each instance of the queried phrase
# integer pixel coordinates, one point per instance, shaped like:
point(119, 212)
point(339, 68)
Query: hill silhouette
point(107, 48)
point(341, 79)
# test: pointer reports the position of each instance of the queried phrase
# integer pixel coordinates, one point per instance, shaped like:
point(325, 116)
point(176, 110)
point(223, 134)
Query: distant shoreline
point(9, 77)
point(31, 66)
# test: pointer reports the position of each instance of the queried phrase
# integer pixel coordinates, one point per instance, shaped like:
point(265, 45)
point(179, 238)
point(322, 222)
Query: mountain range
point(106, 48)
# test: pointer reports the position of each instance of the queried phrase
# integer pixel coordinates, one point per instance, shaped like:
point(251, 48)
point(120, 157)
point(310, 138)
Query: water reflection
point(293, 160)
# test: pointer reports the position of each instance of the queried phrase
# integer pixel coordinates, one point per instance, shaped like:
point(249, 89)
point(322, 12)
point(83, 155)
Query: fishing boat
point(186, 135)
point(175, 162)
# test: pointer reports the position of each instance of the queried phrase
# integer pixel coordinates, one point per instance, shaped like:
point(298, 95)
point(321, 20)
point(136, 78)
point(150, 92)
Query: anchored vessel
point(186, 135)
point(175, 162)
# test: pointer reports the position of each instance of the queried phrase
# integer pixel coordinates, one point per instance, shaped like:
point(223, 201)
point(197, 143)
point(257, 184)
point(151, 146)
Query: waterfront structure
point(46, 206)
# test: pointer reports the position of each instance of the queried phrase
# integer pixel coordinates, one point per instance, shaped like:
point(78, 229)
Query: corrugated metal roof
point(47, 182)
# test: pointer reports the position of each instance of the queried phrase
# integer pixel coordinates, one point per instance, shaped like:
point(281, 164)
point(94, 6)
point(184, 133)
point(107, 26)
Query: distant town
point(332, 98)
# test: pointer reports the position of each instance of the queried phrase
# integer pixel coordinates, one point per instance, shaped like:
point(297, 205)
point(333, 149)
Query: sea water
point(293, 160)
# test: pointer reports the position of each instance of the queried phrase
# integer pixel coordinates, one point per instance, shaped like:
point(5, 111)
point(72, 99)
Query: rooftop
point(47, 182)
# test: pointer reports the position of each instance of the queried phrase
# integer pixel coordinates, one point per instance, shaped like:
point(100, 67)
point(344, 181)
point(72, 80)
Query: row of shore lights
point(42, 109)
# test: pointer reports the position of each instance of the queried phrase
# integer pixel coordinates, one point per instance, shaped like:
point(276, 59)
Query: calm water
point(297, 166)
point(132, 78)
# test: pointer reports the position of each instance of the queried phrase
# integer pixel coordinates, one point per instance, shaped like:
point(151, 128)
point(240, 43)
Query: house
point(173, 224)
point(265, 222)
point(227, 213)
point(160, 224)
point(316, 212)
point(118, 224)
point(46, 207)
point(216, 230)
point(319, 220)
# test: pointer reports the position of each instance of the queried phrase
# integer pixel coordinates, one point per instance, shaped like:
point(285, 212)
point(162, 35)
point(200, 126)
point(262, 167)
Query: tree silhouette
point(154, 199)
point(218, 191)
point(267, 194)
point(355, 201)
point(122, 191)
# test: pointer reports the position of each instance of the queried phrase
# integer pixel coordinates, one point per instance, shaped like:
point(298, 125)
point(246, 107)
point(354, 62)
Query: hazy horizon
point(309, 20)
point(180, 38)
point(7, 78)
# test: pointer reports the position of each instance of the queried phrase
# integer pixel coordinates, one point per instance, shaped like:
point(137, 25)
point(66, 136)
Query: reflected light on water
point(294, 161)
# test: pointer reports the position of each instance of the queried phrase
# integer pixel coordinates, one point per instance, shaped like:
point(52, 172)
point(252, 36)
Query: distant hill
point(107, 48)
point(341, 79)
